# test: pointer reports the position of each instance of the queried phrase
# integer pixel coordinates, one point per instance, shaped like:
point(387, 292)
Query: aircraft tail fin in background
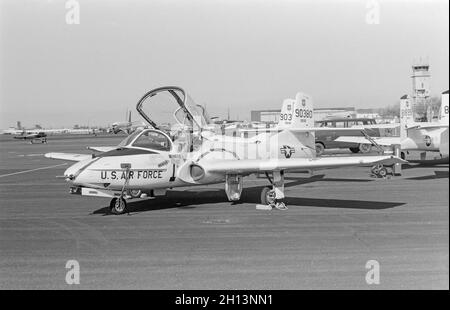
point(297, 113)
point(297, 116)
point(444, 117)
point(406, 115)
point(287, 113)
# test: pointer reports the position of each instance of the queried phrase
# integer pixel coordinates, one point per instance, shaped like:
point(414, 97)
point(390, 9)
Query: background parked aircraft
point(32, 137)
point(416, 136)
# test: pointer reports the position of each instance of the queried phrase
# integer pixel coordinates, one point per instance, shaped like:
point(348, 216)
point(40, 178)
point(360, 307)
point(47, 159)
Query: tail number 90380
point(303, 113)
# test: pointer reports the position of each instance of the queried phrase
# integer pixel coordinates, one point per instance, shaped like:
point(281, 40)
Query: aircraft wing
point(248, 166)
point(68, 156)
point(386, 141)
point(25, 137)
point(316, 129)
point(101, 149)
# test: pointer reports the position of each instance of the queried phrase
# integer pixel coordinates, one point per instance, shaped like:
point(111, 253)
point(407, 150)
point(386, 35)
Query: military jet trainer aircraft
point(416, 136)
point(33, 136)
point(150, 161)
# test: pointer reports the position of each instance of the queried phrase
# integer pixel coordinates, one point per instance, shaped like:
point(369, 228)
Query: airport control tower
point(421, 89)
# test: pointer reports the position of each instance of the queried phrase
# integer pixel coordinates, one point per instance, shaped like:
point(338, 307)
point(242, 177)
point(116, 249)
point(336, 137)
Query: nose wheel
point(118, 206)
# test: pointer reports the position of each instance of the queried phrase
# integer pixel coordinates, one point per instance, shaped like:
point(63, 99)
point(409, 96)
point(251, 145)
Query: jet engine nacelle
point(197, 172)
point(194, 173)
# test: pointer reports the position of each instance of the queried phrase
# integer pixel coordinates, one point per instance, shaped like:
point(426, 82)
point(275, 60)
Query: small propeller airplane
point(415, 136)
point(33, 137)
point(150, 161)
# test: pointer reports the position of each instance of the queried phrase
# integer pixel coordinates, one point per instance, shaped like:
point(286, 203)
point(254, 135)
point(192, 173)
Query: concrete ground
point(337, 221)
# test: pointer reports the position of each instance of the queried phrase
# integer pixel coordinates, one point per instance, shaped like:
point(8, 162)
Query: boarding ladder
point(372, 140)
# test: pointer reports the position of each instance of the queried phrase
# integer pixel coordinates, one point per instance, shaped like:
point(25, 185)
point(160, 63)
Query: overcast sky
point(238, 54)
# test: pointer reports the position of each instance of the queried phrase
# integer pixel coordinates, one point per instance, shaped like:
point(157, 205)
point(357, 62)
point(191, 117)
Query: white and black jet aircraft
point(150, 161)
point(416, 136)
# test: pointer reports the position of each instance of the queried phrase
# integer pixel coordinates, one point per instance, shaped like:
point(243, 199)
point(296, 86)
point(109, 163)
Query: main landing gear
point(273, 196)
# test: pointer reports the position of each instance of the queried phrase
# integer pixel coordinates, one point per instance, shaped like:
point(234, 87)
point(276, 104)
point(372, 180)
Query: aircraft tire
point(376, 170)
point(382, 172)
point(135, 193)
point(267, 196)
point(118, 206)
point(320, 148)
point(365, 148)
point(354, 149)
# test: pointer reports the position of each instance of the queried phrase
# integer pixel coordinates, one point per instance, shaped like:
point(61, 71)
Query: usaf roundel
point(287, 151)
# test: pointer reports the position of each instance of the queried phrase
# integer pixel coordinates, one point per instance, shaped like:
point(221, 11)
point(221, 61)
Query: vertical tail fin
point(444, 117)
point(295, 114)
point(128, 116)
point(406, 115)
point(287, 113)
point(298, 113)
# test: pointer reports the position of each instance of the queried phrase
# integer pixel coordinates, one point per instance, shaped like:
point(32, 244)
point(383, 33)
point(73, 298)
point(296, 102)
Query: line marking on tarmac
point(26, 155)
point(31, 170)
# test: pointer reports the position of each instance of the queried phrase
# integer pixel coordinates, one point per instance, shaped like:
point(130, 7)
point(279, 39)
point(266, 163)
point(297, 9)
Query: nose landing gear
point(118, 205)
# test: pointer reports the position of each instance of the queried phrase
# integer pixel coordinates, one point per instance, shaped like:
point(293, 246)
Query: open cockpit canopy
point(166, 107)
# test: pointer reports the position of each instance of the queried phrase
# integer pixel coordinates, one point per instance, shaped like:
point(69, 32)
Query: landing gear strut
point(273, 196)
point(119, 205)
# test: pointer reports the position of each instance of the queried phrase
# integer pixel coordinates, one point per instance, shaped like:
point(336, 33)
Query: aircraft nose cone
point(73, 171)
point(69, 174)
